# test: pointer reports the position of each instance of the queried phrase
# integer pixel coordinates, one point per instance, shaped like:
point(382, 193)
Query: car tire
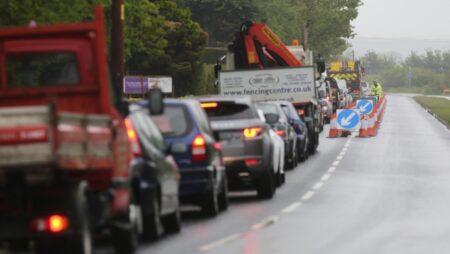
point(281, 178)
point(125, 232)
point(152, 224)
point(290, 162)
point(210, 206)
point(223, 197)
point(266, 188)
point(172, 222)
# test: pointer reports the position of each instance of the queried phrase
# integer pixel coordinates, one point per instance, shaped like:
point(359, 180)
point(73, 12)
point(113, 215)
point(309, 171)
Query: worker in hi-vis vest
point(376, 89)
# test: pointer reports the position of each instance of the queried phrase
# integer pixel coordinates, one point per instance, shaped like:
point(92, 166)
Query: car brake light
point(281, 133)
point(209, 105)
point(252, 132)
point(133, 138)
point(218, 146)
point(199, 149)
point(54, 224)
point(57, 223)
point(251, 162)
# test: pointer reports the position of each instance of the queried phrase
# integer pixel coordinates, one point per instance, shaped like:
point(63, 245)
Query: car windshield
point(225, 111)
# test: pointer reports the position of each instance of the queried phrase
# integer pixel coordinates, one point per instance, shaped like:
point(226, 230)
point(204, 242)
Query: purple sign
point(135, 85)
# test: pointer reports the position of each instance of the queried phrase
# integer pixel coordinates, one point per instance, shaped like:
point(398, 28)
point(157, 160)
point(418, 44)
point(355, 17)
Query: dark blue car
point(191, 142)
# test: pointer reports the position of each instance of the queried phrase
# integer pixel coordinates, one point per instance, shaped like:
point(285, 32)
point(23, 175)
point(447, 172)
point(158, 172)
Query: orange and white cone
point(333, 127)
point(371, 131)
point(363, 129)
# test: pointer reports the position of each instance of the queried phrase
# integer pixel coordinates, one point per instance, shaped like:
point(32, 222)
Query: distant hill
point(402, 47)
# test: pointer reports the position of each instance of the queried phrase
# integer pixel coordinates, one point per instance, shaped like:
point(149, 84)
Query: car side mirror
point(217, 69)
point(320, 65)
point(155, 101)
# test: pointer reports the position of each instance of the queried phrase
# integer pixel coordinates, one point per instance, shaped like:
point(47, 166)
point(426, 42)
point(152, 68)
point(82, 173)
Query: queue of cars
point(199, 149)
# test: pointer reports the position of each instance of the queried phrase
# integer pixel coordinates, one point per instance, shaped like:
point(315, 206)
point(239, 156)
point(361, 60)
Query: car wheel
point(266, 188)
point(152, 225)
point(125, 232)
point(223, 196)
point(172, 222)
point(210, 206)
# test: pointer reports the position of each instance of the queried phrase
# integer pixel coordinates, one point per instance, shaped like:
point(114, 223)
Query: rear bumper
point(245, 177)
point(195, 183)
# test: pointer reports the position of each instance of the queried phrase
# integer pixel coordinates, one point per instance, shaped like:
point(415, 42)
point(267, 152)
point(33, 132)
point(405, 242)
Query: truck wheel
point(172, 222)
point(223, 196)
point(210, 206)
point(266, 188)
point(152, 225)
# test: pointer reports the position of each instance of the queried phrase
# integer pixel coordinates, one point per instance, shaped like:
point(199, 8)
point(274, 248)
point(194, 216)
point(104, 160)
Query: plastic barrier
point(333, 127)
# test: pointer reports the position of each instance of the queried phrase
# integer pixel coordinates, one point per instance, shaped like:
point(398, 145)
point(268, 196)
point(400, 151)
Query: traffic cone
point(333, 127)
point(363, 130)
point(371, 130)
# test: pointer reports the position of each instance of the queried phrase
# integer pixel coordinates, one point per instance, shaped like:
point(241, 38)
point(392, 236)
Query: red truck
point(64, 152)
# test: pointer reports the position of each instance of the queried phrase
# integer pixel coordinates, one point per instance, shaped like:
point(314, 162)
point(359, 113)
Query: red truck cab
point(64, 149)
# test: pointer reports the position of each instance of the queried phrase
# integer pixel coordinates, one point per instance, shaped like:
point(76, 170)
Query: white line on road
point(307, 195)
point(342, 153)
point(331, 169)
point(213, 245)
point(339, 157)
point(266, 222)
point(335, 163)
point(291, 208)
point(318, 185)
point(325, 177)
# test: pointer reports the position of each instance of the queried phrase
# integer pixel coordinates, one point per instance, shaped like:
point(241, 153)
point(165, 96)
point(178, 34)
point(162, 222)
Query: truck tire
point(172, 222)
point(81, 241)
point(210, 206)
point(152, 225)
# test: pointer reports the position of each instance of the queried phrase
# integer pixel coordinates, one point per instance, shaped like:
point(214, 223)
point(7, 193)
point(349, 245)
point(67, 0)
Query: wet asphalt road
point(388, 194)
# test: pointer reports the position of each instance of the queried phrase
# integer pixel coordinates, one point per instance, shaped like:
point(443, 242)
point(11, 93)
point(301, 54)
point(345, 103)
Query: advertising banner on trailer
point(291, 84)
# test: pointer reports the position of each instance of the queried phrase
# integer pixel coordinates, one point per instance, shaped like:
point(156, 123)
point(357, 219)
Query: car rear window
point(179, 120)
point(225, 111)
point(268, 108)
point(42, 69)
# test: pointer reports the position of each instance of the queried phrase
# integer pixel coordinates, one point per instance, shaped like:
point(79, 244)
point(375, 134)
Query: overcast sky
point(414, 19)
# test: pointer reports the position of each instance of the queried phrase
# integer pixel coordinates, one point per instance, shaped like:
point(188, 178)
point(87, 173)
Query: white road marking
point(318, 185)
point(265, 223)
point(308, 195)
point(331, 169)
point(344, 149)
point(213, 245)
point(291, 208)
point(325, 177)
point(339, 157)
point(342, 153)
point(335, 163)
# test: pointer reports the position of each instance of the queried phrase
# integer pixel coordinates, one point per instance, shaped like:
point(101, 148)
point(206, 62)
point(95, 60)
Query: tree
point(220, 18)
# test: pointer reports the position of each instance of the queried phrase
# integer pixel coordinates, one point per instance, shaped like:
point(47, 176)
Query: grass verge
point(439, 106)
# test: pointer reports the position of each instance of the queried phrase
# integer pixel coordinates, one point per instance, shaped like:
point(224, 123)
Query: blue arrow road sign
point(364, 106)
point(348, 119)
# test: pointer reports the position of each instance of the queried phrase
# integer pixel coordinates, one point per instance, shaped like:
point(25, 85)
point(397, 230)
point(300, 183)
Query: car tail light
point(53, 224)
point(252, 132)
point(133, 138)
point(251, 162)
point(281, 133)
point(218, 146)
point(209, 105)
point(199, 148)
